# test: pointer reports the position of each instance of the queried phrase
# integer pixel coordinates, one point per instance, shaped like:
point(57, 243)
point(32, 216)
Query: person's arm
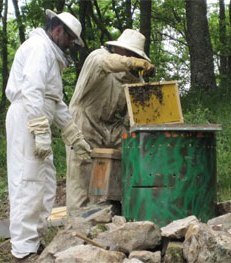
point(36, 67)
point(71, 134)
point(118, 63)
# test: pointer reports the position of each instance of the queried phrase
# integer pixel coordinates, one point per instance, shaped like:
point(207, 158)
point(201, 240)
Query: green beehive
point(169, 172)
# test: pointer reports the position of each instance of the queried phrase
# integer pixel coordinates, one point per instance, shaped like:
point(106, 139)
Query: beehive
point(153, 103)
point(105, 182)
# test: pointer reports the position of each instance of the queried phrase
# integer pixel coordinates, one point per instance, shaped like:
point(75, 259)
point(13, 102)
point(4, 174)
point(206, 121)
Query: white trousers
point(31, 183)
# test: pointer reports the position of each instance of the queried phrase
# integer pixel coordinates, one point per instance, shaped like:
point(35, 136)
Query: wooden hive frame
point(153, 103)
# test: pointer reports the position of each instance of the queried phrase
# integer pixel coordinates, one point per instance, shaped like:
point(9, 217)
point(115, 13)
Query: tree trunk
point(21, 28)
point(200, 48)
point(229, 57)
point(83, 11)
point(59, 4)
point(145, 22)
point(128, 7)
point(5, 72)
point(222, 36)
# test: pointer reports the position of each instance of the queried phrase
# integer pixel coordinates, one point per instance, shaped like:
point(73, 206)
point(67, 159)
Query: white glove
point(73, 137)
point(82, 148)
point(42, 145)
point(40, 127)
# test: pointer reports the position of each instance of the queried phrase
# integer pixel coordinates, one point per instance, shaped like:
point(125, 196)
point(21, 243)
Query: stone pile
point(108, 238)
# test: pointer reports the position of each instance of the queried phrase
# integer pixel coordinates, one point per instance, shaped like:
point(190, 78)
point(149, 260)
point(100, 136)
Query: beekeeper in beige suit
point(98, 105)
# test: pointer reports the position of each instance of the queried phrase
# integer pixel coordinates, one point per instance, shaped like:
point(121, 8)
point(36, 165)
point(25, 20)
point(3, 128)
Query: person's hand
point(139, 64)
point(42, 145)
point(82, 149)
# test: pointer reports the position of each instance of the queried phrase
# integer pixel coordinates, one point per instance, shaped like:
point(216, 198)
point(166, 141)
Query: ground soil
point(5, 246)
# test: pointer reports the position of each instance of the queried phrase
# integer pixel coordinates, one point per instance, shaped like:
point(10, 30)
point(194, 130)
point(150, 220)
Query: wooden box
point(153, 103)
point(105, 181)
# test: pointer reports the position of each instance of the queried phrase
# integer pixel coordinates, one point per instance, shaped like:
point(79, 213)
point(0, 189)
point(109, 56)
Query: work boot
point(32, 257)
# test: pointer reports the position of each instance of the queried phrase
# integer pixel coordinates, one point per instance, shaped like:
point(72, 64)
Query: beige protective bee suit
point(99, 109)
point(35, 91)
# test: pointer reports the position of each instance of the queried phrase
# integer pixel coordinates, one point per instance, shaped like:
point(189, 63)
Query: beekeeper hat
point(132, 40)
point(70, 21)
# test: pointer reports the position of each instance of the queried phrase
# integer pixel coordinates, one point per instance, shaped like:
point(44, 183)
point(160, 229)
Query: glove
point(40, 128)
point(42, 145)
point(139, 64)
point(82, 148)
point(72, 136)
point(39, 125)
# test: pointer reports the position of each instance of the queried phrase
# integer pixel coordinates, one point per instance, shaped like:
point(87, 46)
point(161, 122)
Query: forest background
point(187, 40)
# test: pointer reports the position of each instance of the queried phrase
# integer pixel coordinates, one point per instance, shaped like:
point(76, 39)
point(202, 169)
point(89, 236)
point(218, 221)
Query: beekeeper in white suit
point(99, 107)
point(35, 91)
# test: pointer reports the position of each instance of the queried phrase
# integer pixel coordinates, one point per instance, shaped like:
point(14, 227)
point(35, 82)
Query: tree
point(222, 37)
point(200, 48)
point(229, 56)
point(145, 22)
point(21, 27)
point(4, 52)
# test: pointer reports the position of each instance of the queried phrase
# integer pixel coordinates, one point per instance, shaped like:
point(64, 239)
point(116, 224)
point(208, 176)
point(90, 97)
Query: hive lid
point(177, 127)
point(106, 153)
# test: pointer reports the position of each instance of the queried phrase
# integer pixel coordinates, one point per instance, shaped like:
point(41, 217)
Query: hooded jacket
point(36, 78)
point(98, 105)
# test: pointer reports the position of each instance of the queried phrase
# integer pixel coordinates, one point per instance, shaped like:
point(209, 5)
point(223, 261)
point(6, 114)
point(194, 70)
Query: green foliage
point(3, 166)
point(59, 153)
point(214, 107)
point(197, 115)
point(169, 50)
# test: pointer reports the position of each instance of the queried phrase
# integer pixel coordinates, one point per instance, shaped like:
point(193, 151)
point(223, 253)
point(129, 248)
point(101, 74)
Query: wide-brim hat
point(71, 22)
point(132, 40)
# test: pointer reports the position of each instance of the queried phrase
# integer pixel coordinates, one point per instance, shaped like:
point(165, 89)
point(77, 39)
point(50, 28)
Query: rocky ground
point(99, 234)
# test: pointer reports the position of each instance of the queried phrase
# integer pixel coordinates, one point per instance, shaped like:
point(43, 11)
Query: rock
point(174, 253)
point(203, 245)
point(132, 260)
point(63, 240)
point(118, 220)
point(141, 235)
point(146, 256)
point(178, 228)
point(224, 207)
point(102, 216)
point(88, 254)
point(221, 223)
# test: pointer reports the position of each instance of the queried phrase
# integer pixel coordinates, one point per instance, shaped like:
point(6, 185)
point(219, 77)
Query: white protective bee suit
point(34, 89)
point(99, 109)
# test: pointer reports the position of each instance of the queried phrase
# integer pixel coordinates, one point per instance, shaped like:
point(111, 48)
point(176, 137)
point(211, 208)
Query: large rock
point(88, 254)
point(146, 256)
point(102, 216)
point(117, 221)
point(66, 238)
point(204, 245)
point(221, 223)
point(132, 260)
point(178, 228)
point(142, 235)
point(63, 240)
